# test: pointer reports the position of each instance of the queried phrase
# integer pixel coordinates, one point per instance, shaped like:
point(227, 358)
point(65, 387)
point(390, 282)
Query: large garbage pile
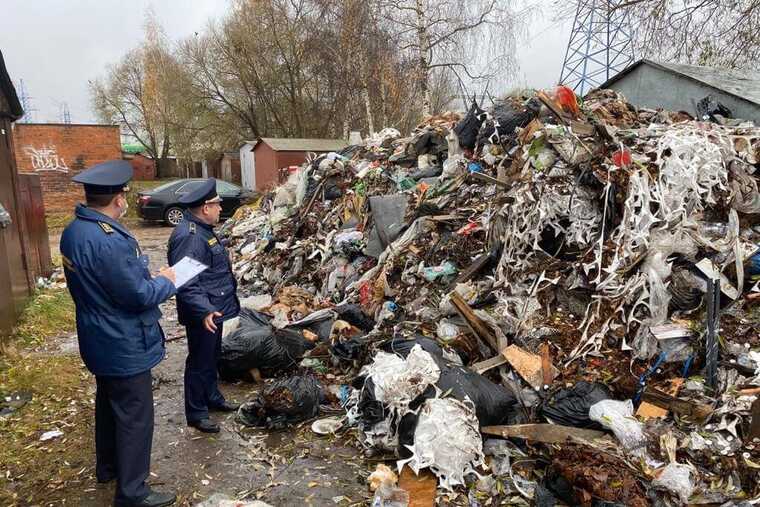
point(560, 297)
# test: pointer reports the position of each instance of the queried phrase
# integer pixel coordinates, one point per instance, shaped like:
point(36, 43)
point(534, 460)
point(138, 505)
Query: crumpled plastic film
point(447, 440)
point(677, 479)
point(618, 417)
point(398, 381)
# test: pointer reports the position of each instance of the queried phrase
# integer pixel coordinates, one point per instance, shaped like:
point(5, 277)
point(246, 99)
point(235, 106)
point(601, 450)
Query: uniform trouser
point(124, 433)
point(201, 388)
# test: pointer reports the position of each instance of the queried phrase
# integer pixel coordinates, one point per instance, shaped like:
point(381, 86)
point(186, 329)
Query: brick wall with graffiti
point(59, 151)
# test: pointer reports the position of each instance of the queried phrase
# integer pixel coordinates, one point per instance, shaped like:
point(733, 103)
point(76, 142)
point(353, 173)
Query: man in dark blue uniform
point(204, 303)
point(120, 338)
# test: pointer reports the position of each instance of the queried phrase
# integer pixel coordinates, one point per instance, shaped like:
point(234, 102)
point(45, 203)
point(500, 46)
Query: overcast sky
point(56, 46)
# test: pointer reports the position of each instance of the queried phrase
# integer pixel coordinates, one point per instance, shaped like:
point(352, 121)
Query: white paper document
point(187, 269)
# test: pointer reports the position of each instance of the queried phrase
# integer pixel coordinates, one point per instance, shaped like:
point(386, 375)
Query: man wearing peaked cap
point(204, 303)
point(120, 338)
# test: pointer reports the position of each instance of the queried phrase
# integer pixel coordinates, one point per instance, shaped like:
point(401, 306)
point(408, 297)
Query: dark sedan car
point(161, 202)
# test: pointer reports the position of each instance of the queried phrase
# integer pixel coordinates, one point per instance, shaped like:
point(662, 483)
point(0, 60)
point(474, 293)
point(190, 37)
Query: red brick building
point(59, 151)
point(144, 167)
point(263, 170)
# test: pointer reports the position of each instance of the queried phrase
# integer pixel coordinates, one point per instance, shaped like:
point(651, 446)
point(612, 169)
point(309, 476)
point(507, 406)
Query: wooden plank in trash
point(528, 365)
point(648, 410)
point(545, 433)
point(478, 264)
point(697, 411)
point(488, 364)
point(488, 179)
point(475, 323)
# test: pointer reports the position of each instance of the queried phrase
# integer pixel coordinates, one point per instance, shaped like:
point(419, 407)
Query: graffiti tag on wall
point(46, 159)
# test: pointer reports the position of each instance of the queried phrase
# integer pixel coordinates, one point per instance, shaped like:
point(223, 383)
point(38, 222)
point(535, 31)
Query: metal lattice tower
point(65, 113)
point(600, 46)
point(26, 103)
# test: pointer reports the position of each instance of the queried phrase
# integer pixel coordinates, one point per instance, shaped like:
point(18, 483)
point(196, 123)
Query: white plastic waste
point(677, 479)
point(447, 440)
point(618, 417)
point(398, 381)
point(222, 500)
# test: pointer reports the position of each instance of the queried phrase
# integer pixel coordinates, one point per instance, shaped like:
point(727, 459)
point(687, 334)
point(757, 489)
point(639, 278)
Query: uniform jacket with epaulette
point(215, 289)
point(115, 296)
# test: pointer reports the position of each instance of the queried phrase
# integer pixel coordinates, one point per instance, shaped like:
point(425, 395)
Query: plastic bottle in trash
point(713, 229)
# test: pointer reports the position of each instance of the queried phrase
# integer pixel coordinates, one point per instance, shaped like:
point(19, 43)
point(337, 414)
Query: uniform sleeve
point(192, 294)
point(121, 273)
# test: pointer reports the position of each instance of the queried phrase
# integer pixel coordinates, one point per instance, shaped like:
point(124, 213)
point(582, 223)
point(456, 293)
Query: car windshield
point(222, 187)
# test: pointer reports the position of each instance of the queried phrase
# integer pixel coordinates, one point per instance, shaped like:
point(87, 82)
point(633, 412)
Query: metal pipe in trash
point(711, 342)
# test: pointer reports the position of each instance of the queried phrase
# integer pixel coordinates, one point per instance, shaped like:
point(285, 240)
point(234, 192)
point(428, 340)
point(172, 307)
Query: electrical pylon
point(600, 45)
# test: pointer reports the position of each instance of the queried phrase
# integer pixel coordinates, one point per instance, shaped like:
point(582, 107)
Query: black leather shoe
point(205, 425)
point(226, 407)
point(154, 499)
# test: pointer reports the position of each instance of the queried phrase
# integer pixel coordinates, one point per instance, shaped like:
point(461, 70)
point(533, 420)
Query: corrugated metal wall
point(34, 227)
point(14, 281)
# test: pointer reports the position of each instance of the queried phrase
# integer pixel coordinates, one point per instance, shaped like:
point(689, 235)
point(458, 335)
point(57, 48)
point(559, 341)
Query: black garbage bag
point(569, 406)
point(467, 129)
point(709, 107)
point(430, 143)
point(332, 190)
point(348, 350)
point(494, 404)
point(504, 120)
point(555, 489)
point(354, 315)
point(258, 344)
point(428, 172)
point(285, 402)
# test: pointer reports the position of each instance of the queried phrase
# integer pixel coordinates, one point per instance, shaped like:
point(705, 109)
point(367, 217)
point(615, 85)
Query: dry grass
point(33, 472)
point(50, 313)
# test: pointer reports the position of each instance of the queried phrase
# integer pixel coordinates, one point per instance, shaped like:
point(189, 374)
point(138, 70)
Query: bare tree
point(474, 40)
point(137, 94)
point(724, 33)
point(706, 32)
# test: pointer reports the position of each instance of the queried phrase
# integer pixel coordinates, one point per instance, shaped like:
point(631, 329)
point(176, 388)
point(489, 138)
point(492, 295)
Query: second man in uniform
point(204, 303)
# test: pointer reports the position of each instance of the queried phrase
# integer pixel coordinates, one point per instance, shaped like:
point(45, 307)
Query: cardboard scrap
point(421, 488)
point(754, 427)
point(528, 366)
point(648, 410)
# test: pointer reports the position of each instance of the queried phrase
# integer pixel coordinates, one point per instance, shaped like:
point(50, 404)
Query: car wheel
point(173, 216)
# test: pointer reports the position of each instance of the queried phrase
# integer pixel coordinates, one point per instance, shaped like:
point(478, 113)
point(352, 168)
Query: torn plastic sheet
point(677, 479)
point(446, 440)
point(398, 381)
point(618, 417)
point(419, 226)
